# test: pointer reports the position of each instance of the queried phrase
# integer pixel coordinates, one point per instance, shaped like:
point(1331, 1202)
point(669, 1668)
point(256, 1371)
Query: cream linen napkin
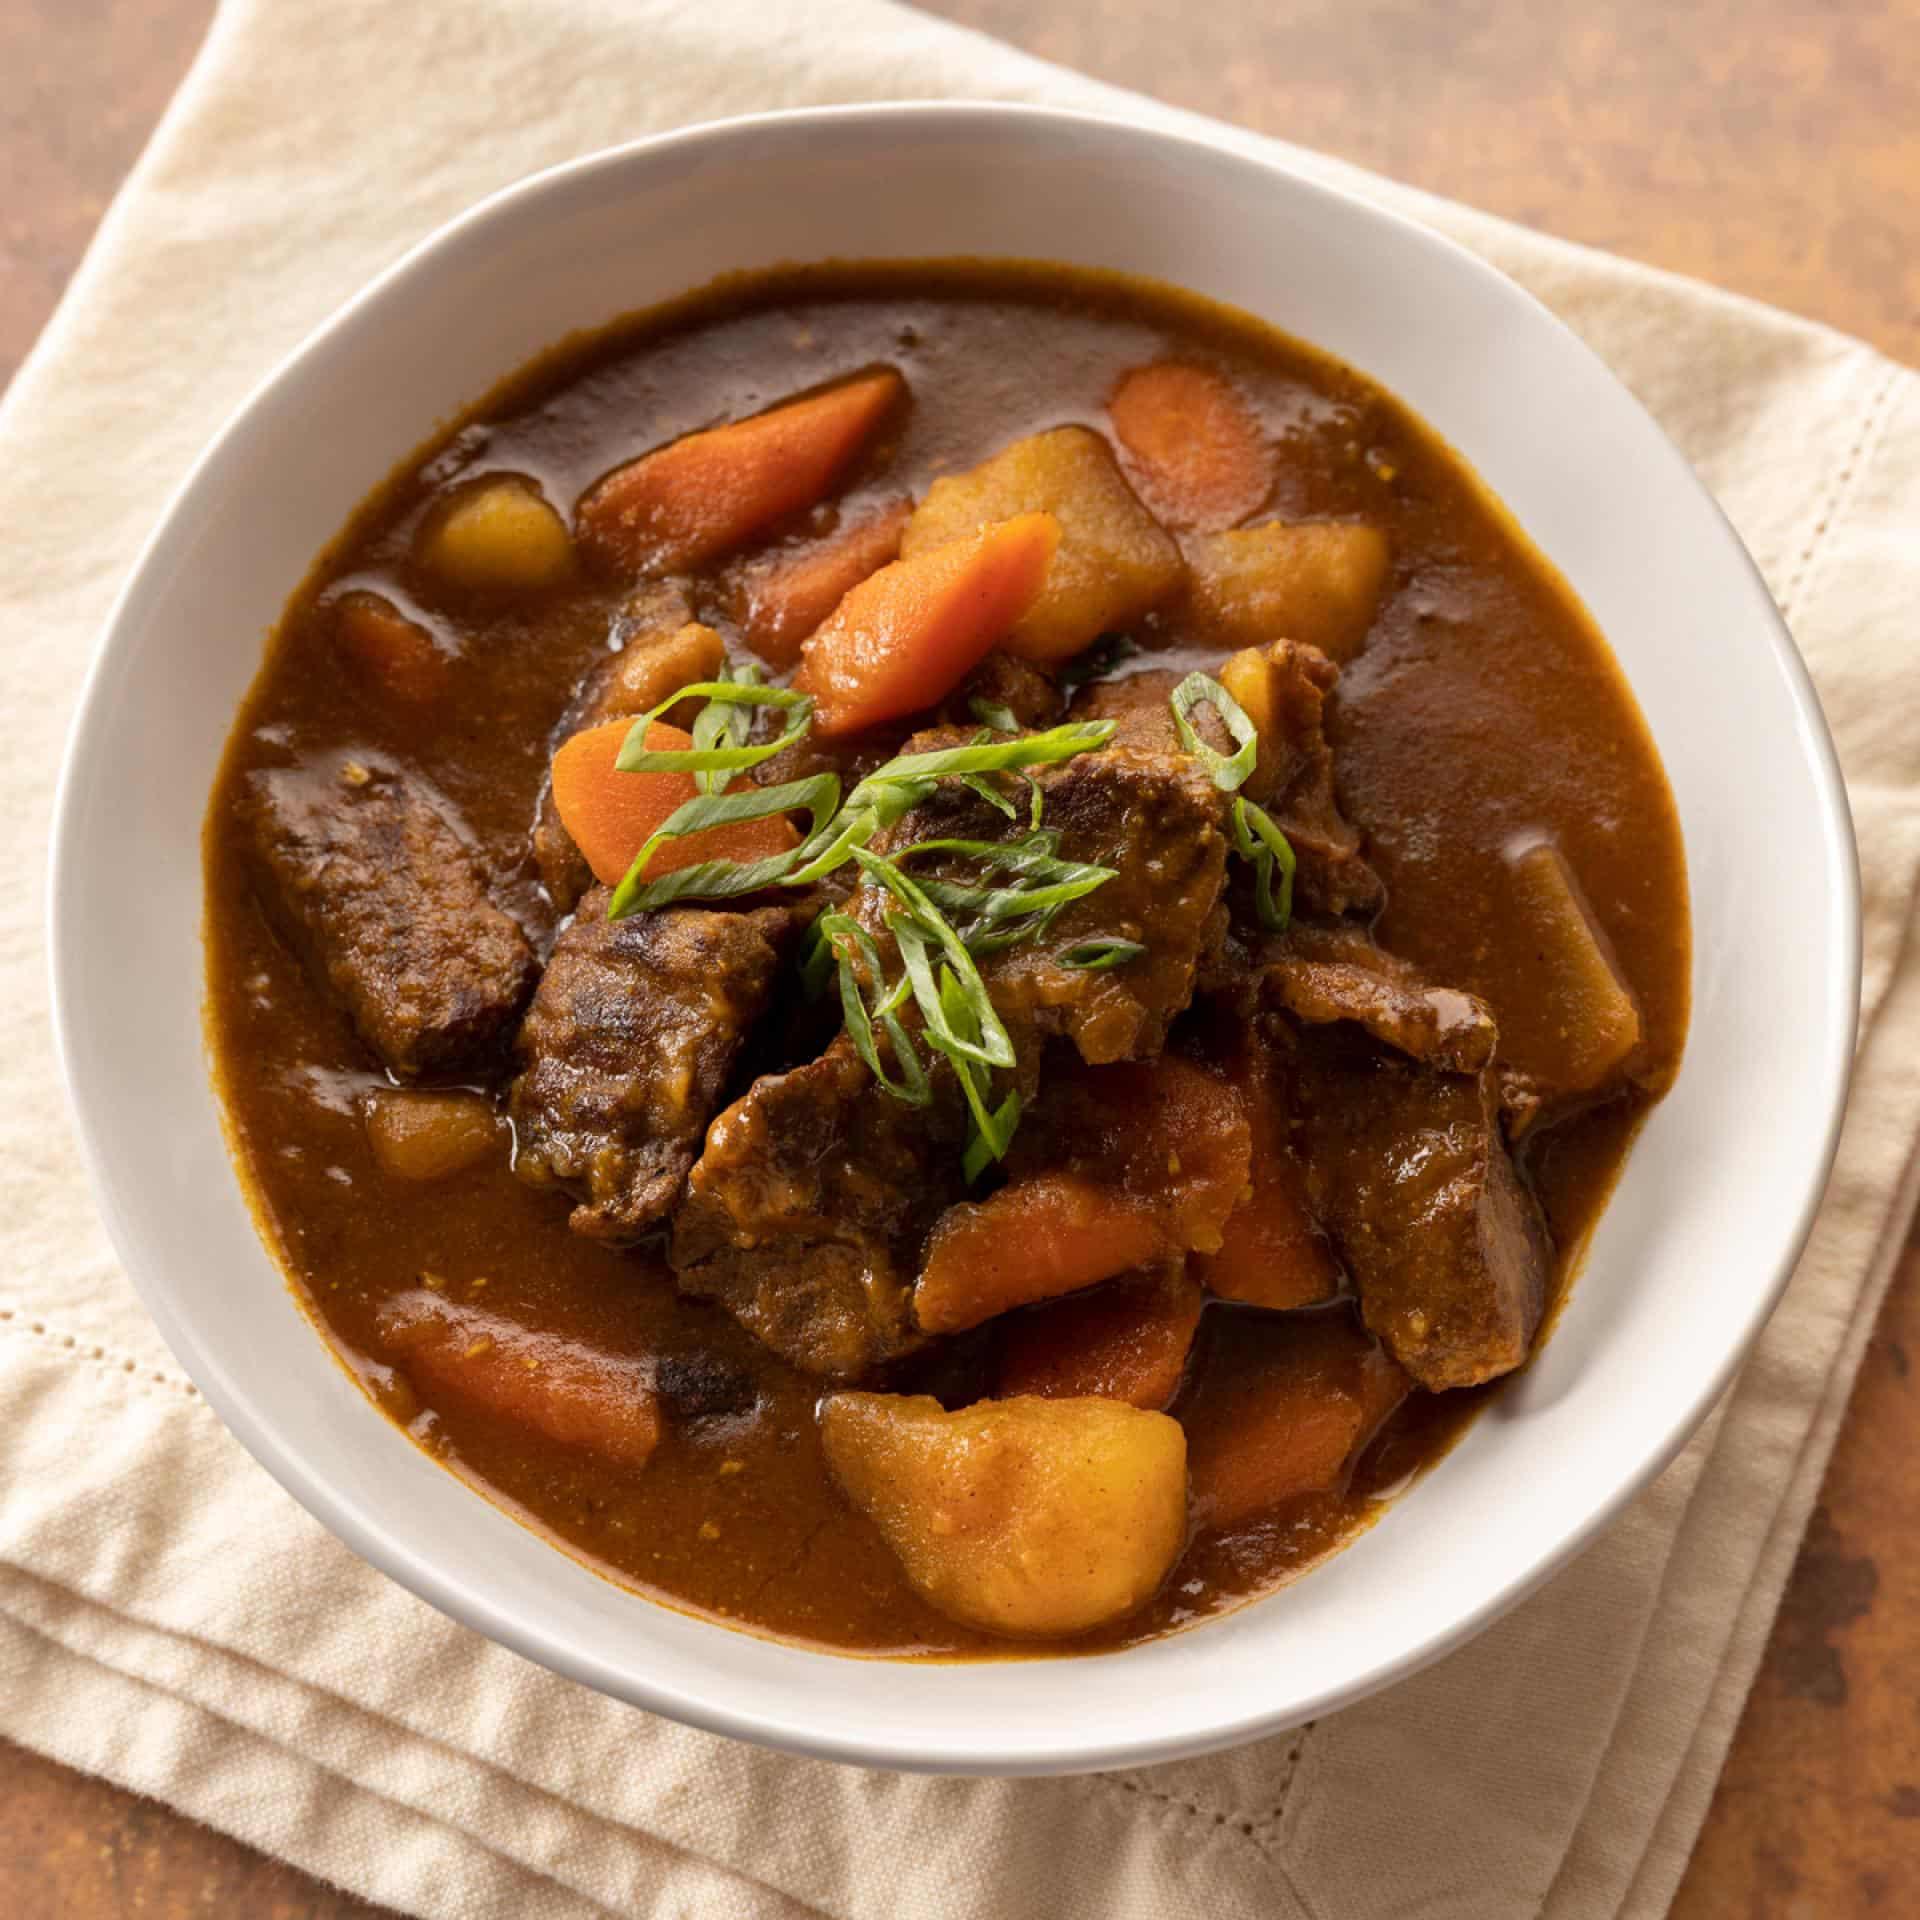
point(168, 1617)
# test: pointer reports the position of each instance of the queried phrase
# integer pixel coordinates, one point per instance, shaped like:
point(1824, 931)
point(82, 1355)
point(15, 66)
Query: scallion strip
point(1096, 956)
point(1226, 774)
point(817, 796)
point(1257, 837)
point(636, 757)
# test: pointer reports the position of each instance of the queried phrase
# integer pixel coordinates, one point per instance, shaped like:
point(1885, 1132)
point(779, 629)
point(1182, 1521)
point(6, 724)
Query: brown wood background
point(1773, 146)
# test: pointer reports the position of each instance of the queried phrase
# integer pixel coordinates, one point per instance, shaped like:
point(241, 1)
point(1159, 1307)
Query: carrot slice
point(1037, 1238)
point(1127, 1165)
point(911, 632)
point(1127, 1341)
point(1283, 1411)
point(781, 602)
point(1271, 1251)
point(397, 655)
point(611, 815)
point(567, 1392)
point(1194, 449)
point(688, 502)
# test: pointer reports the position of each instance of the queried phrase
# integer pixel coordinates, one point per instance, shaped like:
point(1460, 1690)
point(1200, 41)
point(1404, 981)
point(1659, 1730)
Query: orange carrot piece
point(1271, 1251)
point(696, 498)
point(396, 655)
point(1284, 1415)
point(910, 633)
point(1193, 447)
point(485, 1363)
point(611, 815)
point(1030, 1241)
point(1127, 1341)
point(782, 601)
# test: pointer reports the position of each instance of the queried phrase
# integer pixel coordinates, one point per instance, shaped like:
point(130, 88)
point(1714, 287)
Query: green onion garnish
point(994, 715)
point(709, 757)
point(725, 723)
point(818, 796)
point(1096, 956)
point(1258, 838)
point(1225, 774)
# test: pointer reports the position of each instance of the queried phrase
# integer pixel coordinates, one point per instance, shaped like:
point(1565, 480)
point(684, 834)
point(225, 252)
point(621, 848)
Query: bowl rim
point(440, 1584)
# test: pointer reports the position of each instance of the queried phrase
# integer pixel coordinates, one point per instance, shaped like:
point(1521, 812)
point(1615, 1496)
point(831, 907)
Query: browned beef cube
point(1155, 821)
point(1407, 1167)
point(806, 1214)
point(626, 1051)
point(1332, 876)
point(366, 870)
point(1325, 974)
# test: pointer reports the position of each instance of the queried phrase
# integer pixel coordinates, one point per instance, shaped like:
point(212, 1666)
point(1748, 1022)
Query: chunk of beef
point(1406, 1165)
point(367, 871)
point(1152, 818)
point(806, 1215)
point(1331, 876)
point(1439, 1026)
point(625, 1053)
point(1001, 680)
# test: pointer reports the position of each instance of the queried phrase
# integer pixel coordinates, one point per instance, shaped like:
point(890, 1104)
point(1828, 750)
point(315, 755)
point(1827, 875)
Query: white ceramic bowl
point(1715, 1202)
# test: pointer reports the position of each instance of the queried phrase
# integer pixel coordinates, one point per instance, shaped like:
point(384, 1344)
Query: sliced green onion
point(725, 723)
point(1258, 838)
point(849, 939)
point(635, 756)
point(993, 1048)
point(988, 1144)
point(722, 879)
point(1225, 774)
point(996, 716)
point(994, 756)
point(1096, 956)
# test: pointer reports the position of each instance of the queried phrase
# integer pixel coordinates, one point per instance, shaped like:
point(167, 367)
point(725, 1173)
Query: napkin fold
point(170, 1619)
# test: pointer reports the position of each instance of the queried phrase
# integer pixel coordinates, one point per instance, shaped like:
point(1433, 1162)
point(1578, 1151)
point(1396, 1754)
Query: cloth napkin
point(170, 1619)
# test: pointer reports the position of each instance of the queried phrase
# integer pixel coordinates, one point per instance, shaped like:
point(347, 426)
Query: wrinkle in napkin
point(170, 1619)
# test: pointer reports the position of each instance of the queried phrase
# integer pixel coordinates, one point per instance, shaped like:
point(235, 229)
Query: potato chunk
point(426, 1136)
point(1316, 582)
point(1028, 1517)
point(1599, 1019)
point(653, 665)
point(1115, 563)
point(498, 535)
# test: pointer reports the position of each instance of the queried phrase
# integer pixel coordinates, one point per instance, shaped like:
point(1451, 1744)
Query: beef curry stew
point(941, 958)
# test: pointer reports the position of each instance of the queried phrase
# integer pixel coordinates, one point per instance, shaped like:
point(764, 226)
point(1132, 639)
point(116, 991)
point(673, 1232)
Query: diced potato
point(417, 1135)
point(570, 1393)
point(1271, 1251)
point(396, 655)
point(1127, 1341)
point(654, 665)
point(1192, 444)
point(1030, 1241)
point(498, 535)
point(1116, 562)
point(1317, 582)
point(781, 600)
point(1598, 1023)
point(1254, 681)
point(1286, 1415)
point(1028, 1517)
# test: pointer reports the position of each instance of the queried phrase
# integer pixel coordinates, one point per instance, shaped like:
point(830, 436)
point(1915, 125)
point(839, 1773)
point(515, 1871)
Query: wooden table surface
point(1770, 145)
